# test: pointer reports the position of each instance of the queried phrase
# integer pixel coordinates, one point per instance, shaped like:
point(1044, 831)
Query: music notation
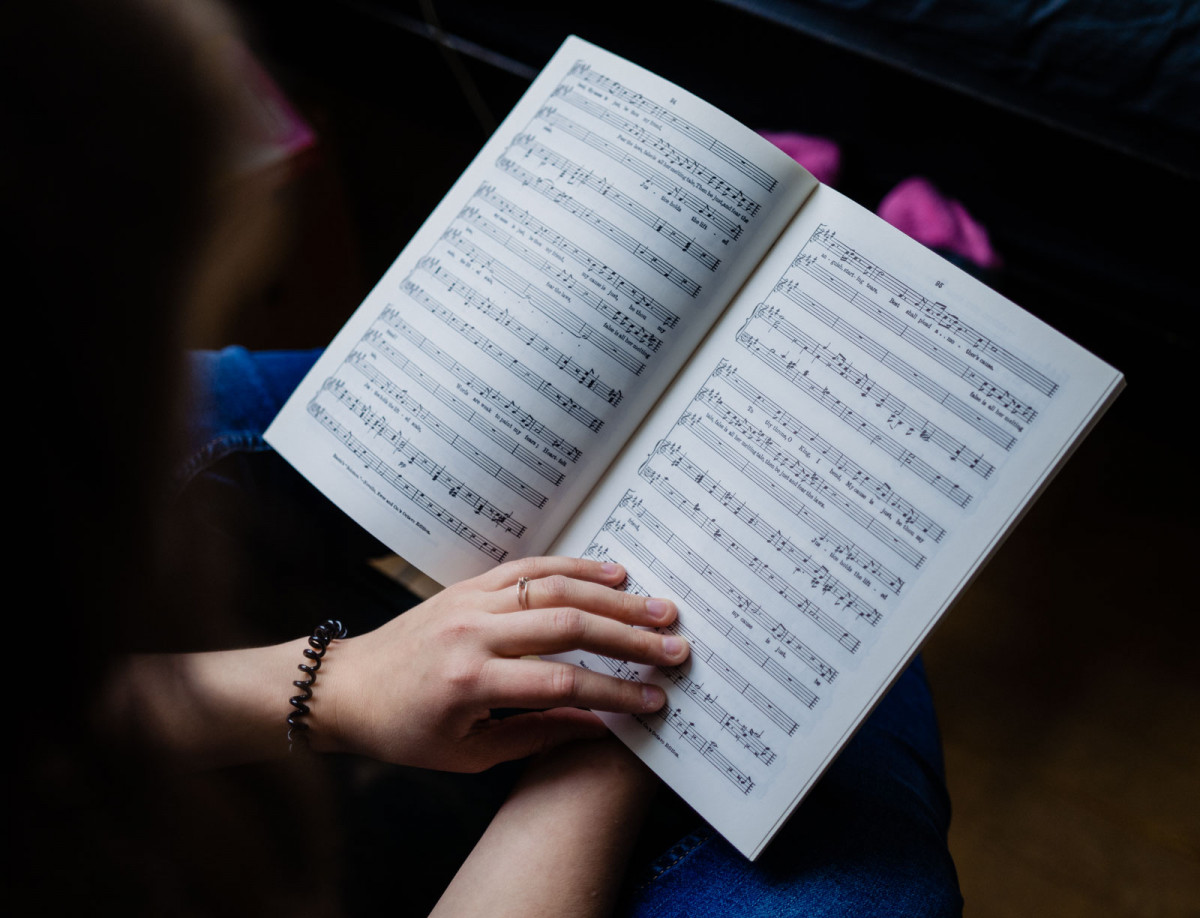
point(820, 577)
point(911, 374)
point(673, 718)
point(464, 446)
point(544, 234)
point(735, 198)
point(410, 491)
point(799, 478)
point(575, 174)
point(585, 376)
point(899, 409)
point(901, 419)
point(526, 420)
point(521, 371)
point(686, 729)
point(752, 171)
point(749, 560)
point(749, 738)
point(377, 426)
point(374, 340)
point(741, 601)
point(632, 332)
point(726, 628)
point(646, 173)
point(658, 264)
point(701, 651)
point(936, 312)
point(823, 397)
point(840, 461)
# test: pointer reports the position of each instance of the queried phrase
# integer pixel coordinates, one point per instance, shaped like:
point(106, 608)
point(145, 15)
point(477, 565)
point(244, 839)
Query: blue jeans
point(869, 840)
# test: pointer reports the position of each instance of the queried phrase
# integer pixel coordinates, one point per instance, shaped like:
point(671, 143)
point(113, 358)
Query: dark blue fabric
point(869, 840)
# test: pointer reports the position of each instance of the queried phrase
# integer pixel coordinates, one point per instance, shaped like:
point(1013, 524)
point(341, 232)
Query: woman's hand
point(421, 689)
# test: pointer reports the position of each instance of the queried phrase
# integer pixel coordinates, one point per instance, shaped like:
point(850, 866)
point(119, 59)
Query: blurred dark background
point(1066, 678)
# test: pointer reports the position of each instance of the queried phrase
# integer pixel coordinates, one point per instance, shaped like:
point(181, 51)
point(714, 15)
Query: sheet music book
point(635, 330)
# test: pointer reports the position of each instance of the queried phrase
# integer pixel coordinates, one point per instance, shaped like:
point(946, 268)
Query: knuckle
point(578, 568)
point(565, 682)
point(650, 643)
point(462, 677)
point(632, 605)
point(557, 589)
point(456, 632)
point(569, 624)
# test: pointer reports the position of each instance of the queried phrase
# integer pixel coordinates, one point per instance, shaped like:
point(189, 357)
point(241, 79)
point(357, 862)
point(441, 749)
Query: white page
point(491, 376)
point(828, 473)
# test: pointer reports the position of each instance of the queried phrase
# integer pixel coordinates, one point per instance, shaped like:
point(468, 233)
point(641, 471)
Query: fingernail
point(659, 608)
point(608, 568)
point(672, 646)
point(653, 697)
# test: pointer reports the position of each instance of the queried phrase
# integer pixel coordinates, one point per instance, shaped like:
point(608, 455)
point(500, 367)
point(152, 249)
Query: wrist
point(318, 720)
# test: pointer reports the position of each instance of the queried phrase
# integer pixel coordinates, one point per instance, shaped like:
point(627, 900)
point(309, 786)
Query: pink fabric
point(818, 155)
point(917, 208)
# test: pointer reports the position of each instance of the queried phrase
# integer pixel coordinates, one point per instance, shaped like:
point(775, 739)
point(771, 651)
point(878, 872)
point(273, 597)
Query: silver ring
point(523, 592)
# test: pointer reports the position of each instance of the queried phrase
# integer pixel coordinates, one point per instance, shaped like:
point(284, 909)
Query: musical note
point(544, 234)
point(446, 432)
point(514, 365)
point(606, 189)
point(418, 497)
point(630, 331)
point(640, 168)
point(404, 449)
point(706, 523)
point(810, 483)
point(822, 396)
point(660, 265)
point(939, 313)
point(804, 563)
point(376, 342)
point(585, 376)
point(911, 374)
point(757, 174)
point(899, 412)
point(838, 459)
point(700, 649)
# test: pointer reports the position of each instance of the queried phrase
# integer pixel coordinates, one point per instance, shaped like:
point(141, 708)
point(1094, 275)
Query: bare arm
point(560, 843)
point(419, 690)
point(210, 709)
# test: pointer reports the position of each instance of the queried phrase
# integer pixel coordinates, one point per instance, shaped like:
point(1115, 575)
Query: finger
point(545, 631)
point(529, 734)
point(558, 590)
point(549, 684)
point(535, 568)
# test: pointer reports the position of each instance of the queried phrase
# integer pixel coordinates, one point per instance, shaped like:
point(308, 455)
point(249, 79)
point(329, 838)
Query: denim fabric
point(235, 396)
point(869, 840)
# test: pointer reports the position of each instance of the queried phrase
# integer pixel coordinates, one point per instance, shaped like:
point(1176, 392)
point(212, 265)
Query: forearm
point(560, 843)
point(209, 709)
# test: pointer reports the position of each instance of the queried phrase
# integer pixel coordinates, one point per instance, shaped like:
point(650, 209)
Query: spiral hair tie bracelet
point(318, 643)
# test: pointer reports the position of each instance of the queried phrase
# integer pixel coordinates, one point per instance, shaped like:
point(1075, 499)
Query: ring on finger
point(523, 592)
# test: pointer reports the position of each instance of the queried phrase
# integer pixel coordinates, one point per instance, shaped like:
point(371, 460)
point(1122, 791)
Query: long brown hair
point(114, 143)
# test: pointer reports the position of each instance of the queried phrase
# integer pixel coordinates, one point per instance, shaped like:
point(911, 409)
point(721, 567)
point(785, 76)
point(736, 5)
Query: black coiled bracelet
point(318, 643)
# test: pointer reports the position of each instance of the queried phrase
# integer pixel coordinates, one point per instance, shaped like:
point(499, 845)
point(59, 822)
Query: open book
point(634, 330)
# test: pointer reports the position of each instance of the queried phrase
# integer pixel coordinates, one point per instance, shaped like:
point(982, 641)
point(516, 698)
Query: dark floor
point(1067, 676)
